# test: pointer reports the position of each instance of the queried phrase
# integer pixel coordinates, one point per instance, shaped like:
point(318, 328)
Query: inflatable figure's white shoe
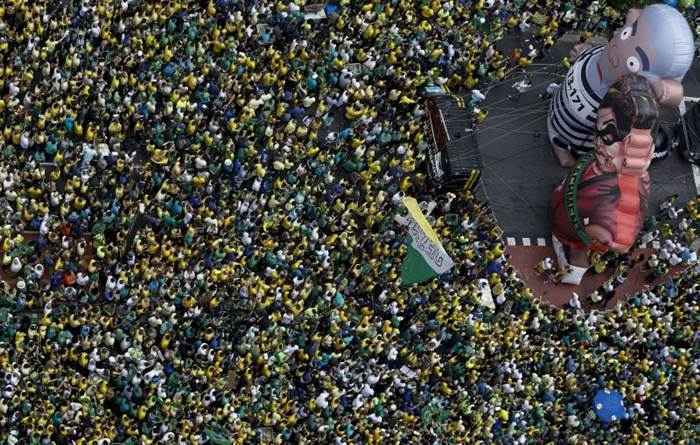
point(576, 273)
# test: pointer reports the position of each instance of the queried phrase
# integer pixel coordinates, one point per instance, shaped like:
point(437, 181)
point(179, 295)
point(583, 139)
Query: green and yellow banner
point(426, 257)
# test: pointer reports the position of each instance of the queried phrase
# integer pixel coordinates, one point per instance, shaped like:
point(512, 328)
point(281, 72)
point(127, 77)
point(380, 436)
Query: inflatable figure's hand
point(578, 49)
point(600, 234)
point(668, 92)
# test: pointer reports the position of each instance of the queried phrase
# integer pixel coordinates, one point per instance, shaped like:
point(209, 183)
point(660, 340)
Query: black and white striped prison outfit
point(573, 111)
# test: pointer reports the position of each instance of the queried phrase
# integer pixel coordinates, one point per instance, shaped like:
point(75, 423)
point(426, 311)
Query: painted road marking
point(526, 241)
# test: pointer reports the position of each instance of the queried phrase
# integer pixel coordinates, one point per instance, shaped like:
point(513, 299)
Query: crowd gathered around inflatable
point(198, 205)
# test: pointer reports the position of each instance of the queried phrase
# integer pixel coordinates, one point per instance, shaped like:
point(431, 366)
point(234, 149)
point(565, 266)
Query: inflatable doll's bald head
point(655, 42)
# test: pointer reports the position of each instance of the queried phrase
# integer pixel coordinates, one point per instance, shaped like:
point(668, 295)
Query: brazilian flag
point(426, 257)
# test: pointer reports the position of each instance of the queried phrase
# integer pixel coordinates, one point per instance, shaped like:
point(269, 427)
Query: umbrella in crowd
point(609, 406)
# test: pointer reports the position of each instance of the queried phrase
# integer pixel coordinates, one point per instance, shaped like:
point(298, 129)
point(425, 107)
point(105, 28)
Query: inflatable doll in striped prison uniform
point(601, 203)
point(655, 42)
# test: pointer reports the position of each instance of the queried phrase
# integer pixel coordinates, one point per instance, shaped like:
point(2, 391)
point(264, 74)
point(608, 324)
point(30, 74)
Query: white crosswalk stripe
point(527, 241)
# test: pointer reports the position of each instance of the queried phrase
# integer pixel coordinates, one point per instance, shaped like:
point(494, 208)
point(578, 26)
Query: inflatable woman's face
point(608, 142)
point(631, 50)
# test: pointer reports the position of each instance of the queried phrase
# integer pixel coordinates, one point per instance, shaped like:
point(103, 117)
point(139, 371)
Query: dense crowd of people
point(199, 246)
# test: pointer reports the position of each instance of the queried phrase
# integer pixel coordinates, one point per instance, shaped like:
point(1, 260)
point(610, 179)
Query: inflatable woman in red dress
point(602, 202)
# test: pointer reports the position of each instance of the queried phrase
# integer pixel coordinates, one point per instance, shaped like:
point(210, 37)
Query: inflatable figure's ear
point(668, 92)
point(632, 15)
